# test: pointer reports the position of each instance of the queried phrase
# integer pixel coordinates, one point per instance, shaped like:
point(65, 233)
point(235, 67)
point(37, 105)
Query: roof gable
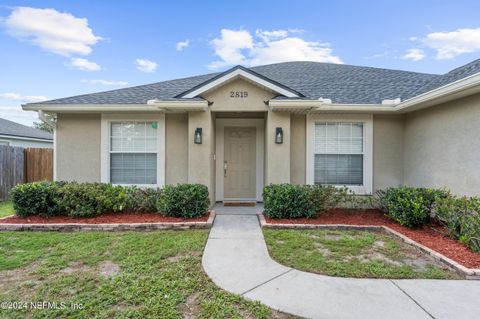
point(244, 73)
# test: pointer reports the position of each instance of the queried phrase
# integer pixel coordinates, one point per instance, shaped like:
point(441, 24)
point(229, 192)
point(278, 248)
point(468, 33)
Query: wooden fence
point(23, 165)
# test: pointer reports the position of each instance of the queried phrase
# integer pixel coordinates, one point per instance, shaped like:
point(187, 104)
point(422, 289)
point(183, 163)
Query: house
point(296, 122)
point(14, 134)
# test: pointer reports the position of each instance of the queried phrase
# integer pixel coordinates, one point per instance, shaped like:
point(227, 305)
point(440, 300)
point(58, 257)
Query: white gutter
point(88, 107)
point(320, 106)
point(25, 138)
point(460, 88)
point(179, 106)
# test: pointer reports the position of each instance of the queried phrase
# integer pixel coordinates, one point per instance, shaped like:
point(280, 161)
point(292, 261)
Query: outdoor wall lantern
point(279, 135)
point(197, 139)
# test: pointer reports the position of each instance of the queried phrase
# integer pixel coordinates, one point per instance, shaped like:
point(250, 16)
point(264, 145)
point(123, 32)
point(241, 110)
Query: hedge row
point(415, 207)
point(92, 199)
point(294, 201)
point(409, 206)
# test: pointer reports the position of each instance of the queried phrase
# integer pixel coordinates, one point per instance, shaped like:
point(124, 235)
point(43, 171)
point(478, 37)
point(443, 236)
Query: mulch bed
point(112, 218)
point(432, 236)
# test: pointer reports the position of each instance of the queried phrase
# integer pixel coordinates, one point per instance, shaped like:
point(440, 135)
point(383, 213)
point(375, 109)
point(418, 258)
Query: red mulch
point(431, 236)
point(111, 218)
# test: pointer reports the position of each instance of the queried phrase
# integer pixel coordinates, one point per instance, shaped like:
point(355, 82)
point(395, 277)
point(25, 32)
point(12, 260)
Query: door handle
point(225, 166)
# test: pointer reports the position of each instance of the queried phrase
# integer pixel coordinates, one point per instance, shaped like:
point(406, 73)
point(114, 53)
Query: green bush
point(324, 197)
point(38, 198)
point(462, 218)
point(143, 199)
point(91, 199)
point(288, 201)
point(410, 206)
point(184, 200)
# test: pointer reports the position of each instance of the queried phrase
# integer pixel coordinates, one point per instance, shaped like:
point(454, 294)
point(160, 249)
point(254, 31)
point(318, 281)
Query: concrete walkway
point(237, 260)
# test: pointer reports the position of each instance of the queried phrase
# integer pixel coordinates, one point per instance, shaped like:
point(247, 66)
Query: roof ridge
point(347, 65)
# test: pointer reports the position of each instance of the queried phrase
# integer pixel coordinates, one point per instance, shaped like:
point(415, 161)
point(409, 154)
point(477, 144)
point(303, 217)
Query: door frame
point(220, 125)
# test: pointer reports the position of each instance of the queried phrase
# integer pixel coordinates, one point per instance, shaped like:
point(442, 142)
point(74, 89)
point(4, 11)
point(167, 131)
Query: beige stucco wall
point(253, 102)
point(442, 146)
point(297, 148)
point(388, 133)
point(176, 148)
point(77, 154)
point(201, 167)
point(277, 156)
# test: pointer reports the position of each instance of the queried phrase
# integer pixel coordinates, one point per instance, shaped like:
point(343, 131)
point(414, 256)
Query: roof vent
point(391, 102)
point(325, 101)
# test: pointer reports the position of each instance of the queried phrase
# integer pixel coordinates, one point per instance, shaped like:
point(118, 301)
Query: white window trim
point(219, 154)
point(107, 119)
point(8, 142)
point(367, 120)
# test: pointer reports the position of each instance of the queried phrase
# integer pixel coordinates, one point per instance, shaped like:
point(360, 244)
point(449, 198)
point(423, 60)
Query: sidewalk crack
point(411, 298)
point(265, 282)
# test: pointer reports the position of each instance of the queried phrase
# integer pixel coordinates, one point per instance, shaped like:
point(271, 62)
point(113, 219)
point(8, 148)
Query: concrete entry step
point(221, 209)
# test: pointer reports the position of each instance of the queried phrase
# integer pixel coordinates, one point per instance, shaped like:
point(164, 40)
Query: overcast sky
point(52, 49)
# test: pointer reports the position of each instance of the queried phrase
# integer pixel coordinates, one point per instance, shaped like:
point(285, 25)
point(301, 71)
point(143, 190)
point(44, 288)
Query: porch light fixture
point(197, 139)
point(278, 135)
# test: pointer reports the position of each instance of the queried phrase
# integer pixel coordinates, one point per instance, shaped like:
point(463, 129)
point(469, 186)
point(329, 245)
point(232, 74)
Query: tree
point(43, 126)
point(40, 125)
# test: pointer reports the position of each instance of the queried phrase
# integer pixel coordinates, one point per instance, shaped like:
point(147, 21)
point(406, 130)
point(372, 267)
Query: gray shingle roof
point(345, 84)
point(14, 129)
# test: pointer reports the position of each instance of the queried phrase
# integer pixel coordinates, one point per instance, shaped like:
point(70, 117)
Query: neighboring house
point(14, 134)
point(295, 122)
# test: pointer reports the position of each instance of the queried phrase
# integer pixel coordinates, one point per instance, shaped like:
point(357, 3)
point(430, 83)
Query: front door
point(240, 163)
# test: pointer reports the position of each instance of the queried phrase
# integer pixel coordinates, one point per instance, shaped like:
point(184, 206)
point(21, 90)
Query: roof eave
point(65, 108)
point(26, 138)
point(452, 91)
point(318, 106)
point(180, 106)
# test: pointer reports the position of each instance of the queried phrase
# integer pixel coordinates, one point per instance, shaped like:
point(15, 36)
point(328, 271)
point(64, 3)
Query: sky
point(54, 49)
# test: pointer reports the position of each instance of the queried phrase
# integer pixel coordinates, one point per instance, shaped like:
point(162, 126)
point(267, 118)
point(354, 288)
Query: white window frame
point(7, 141)
point(367, 120)
point(107, 119)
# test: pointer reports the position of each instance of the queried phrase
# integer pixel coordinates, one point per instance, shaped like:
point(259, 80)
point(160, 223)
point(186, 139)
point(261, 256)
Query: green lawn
point(115, 275)
point(359, 254)
point(6, 209)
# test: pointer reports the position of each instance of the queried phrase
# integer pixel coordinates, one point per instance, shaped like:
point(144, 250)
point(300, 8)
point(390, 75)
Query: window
point(133, 152)
point(339, 153)
point(5, 143)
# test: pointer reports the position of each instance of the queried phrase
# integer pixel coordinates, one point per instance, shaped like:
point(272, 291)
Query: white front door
point(239, 165)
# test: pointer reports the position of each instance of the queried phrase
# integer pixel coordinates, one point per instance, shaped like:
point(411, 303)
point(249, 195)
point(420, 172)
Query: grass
point(359, 254)
point(115, 275)
point(6, 209)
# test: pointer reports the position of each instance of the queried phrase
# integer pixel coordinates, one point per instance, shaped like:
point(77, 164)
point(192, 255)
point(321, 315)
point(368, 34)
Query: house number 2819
point(238, 94)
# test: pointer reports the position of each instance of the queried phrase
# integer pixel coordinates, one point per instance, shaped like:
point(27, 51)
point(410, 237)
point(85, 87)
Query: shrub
point(184, 200)
point(327, 197)
point(92, 199)
point(410, 206)
point(38, 198)
point(288, 201)
point(143, 199)
point(462, 218)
